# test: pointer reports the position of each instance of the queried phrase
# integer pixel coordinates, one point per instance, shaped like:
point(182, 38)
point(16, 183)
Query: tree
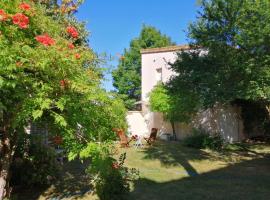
point(61, 7)
point(230, 59)
point(46, 74)
point(127, 76)
point(175, 107)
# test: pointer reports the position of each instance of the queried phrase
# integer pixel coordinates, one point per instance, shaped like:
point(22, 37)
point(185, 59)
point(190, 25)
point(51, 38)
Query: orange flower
point(63, 83)
point(25, 6)
point(77, 56)
point(21, 20)
point(71, 46)
point(3, 15)
point(72, 31)
point(45, 39)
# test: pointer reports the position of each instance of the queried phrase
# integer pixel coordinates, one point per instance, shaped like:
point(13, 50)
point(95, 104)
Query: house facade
point(225, 120)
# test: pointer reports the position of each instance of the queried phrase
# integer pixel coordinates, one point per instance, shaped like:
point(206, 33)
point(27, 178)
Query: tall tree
point(232, 57)
point(127, 76)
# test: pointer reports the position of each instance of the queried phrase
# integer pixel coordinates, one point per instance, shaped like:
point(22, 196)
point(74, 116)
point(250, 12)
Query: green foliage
point(232, 57)
point(175, 107)
point(39, 82)
point(255, 117)
point(127, 76)
point(111, 177)
point(57, 83)
point(200, 139)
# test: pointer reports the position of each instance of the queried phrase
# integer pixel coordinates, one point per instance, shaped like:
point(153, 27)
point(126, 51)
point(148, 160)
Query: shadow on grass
point(175, 155)
point(73, 184)
point(245, 180)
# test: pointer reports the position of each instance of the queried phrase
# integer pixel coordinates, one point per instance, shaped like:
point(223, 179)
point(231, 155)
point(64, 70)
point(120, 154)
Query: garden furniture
point(124, 141)
point(153, 136)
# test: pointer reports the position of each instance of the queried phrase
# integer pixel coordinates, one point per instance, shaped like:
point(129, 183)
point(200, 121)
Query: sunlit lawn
point(170, 171)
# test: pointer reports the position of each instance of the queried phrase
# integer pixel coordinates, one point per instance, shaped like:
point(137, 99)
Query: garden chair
point(60, 152)
point(124, 141)
point(153, 136)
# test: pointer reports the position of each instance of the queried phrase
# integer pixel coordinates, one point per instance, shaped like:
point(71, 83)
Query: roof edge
point(165, 49)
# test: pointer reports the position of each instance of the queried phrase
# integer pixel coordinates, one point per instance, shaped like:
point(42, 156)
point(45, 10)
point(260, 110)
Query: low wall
point(225, 120)
point(136, 123)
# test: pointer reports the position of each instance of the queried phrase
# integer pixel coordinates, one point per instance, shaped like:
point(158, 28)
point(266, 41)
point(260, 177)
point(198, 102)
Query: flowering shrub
point(43, 79)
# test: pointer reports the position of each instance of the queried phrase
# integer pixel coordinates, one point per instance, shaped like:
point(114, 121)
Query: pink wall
point(150, 63)
point(224, 120)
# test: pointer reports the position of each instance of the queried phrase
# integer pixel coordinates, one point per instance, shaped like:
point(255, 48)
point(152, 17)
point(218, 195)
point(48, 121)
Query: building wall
point(151, 63)
point(224, 120)
point(137, 124)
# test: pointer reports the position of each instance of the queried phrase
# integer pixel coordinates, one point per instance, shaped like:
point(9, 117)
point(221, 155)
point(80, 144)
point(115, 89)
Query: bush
point(39, 167)
point(200, 139)
point(112, 186)
point(112, 178)
point(214, 142)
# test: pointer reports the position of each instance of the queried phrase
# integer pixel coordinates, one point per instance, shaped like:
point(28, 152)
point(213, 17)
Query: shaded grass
point(168, 170)
point(172, 171)
point(73, 184)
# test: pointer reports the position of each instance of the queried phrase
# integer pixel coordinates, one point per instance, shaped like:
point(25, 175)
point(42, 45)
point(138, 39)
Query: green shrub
point(214, 142)
point(200, 139)
point(112, 178)
point(112, 186)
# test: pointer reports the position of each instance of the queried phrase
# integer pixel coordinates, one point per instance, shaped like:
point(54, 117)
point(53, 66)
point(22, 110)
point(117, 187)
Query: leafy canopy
point(175, 107)
point(232, 57)
point(47, 75)
point(127, 76)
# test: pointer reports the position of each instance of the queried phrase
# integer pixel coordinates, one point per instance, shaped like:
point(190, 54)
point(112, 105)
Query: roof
point(165, 49)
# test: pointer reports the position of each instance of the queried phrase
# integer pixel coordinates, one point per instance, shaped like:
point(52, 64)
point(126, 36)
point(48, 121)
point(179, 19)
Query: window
point(159, 74)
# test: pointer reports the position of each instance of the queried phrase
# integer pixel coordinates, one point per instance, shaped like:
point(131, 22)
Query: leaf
point(45, 104)
point(37, 114)
point(61, 104)
point(72, 156)
point(60, 120)
point(26, 49)
point(1, 82)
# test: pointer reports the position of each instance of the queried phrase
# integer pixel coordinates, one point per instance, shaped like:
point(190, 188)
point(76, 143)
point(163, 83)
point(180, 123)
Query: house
point(225, 120)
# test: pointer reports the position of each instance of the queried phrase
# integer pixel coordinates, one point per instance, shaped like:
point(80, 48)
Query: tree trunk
point(268, 110)
point(174, 132)
point(6, 155)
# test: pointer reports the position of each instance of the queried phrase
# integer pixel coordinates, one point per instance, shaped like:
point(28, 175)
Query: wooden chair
point(57, 141)
point(124, 141)
point(153, 136)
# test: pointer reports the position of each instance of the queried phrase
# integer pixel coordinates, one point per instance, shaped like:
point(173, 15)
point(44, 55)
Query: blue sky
point(113, 23)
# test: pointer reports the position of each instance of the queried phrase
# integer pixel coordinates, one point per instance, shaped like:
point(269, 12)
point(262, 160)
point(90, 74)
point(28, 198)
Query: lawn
point(171, 171)
point(168, 170)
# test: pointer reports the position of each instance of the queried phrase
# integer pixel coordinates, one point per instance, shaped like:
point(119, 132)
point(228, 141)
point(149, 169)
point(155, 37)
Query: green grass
point(168, 170)
point(171, 171)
